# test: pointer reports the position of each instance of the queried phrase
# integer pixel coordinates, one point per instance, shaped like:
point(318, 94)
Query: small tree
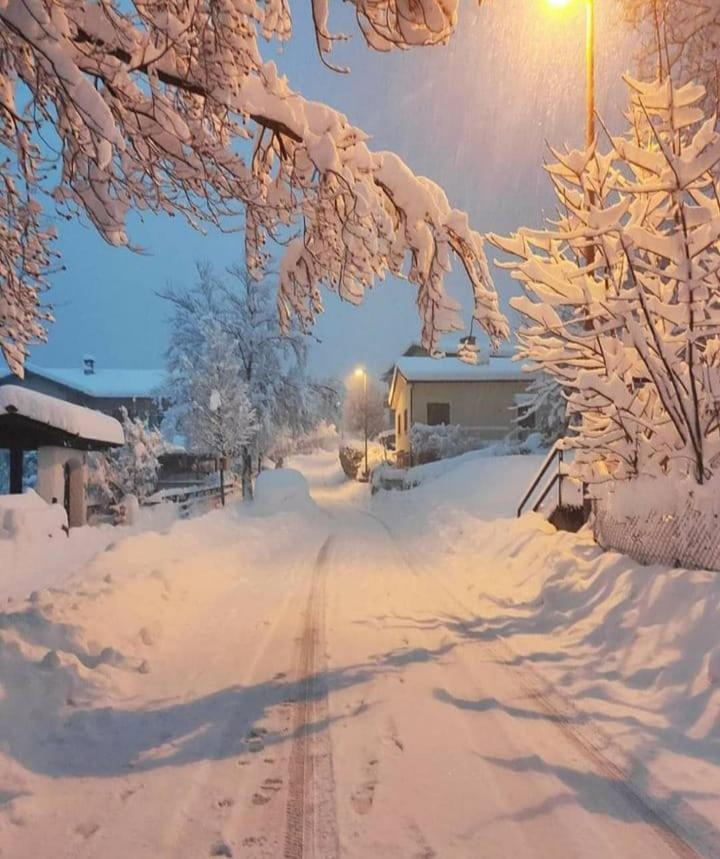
point(355, 405)
point(218, 416)
point(633, 336)
point(131, 469)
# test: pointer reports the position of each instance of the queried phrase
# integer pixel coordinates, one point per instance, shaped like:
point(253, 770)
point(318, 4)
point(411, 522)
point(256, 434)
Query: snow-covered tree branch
point(144, 106)
point(680, 38)
point(622, 302)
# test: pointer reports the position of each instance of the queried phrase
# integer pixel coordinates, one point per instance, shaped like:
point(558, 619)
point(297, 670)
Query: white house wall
point(488, 405)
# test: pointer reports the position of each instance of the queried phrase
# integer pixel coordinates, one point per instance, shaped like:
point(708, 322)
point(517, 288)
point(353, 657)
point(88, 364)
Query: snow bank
point(35, 554)
point(480, 481)
point(28, 517)
point(72, 419)
point(635, 647)
point(281, 489)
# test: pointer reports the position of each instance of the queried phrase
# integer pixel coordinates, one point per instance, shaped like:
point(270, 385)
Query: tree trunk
point(222, 486)
point(247, 487)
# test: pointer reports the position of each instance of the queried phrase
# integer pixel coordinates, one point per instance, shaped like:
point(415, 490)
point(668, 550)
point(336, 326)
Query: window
point(438, 413)
point(398, 423)
point(405, 419)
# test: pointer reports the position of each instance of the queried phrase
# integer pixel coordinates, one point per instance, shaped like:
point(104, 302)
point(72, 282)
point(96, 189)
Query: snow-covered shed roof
point(497, 368)
point(39, 416)
point(105, 382)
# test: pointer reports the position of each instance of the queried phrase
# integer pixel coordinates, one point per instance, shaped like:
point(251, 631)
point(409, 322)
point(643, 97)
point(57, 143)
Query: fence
point(686, 538)
point(188, 497)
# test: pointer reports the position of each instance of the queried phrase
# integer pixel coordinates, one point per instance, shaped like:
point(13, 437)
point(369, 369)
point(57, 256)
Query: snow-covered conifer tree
point(171, 108)
point(622, 291)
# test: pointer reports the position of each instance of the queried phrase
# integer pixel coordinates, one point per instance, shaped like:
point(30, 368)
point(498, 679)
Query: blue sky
point(474, 116)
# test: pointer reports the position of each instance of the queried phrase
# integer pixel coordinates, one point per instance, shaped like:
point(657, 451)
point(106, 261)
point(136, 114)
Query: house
point(62, 433)
point(484, 397)
point(99, 389)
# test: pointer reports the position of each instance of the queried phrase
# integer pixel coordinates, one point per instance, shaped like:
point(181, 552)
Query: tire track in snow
point(683, 830)
point(311, 826)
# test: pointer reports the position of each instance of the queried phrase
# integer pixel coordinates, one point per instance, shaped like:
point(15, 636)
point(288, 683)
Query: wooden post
point(16, 471)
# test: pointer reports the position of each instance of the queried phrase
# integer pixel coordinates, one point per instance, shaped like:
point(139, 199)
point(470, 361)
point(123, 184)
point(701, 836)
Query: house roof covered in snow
point(104, 382)
point(29, 419)
point(497, 368)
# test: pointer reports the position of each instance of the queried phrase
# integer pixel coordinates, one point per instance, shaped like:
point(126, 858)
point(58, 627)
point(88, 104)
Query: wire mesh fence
point(690, 538)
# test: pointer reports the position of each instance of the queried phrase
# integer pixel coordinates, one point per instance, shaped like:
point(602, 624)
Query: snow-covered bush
point(441, 441)
point(622, 292)
point(128, 470)
point(171, 108)
point(351, 460)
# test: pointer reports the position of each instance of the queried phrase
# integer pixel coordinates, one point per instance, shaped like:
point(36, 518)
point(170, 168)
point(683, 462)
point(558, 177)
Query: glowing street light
point(361, 371)
point(589, 93)
point(589, 64)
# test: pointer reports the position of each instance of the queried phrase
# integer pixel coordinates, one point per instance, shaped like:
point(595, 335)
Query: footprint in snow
point(362, 798)
point(87, 830)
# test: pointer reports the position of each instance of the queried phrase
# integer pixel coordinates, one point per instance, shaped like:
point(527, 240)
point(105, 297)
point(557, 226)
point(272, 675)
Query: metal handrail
point(556, 452)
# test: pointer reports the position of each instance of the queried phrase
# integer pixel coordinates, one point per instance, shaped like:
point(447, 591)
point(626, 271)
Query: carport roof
point(29, 420)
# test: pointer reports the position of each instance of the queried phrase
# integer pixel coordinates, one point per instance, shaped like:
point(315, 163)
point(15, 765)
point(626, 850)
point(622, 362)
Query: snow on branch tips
point(170, 108)
point(621, 299)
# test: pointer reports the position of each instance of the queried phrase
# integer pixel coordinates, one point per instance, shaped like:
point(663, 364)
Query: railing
point(556, 455)
point(185, 496)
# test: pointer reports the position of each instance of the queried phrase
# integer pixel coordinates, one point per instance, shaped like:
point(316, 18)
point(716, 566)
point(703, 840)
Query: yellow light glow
point(360, 371)
point(559, 4)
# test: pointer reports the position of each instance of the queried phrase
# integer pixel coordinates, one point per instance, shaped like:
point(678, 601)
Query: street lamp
point(589, 97)
point(589, 64)
point(361, 371)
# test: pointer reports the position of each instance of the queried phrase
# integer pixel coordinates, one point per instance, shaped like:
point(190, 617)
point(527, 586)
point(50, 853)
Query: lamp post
point(361, 371)
point(589, 64)
point(589, 97)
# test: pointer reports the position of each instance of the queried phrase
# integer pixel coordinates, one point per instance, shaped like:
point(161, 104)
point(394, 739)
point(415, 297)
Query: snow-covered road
point(296, 684)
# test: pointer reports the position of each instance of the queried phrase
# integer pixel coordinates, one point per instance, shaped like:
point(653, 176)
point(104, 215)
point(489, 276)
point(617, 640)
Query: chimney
point(89, 365)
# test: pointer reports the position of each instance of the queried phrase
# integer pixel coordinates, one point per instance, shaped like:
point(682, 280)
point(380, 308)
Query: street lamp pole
point(361, 371)
point(365, 411)
point(590, 72)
